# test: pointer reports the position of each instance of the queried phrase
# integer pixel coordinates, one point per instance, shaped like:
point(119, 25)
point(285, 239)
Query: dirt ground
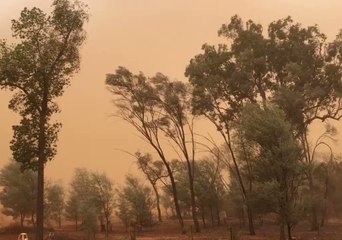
point(168, 230)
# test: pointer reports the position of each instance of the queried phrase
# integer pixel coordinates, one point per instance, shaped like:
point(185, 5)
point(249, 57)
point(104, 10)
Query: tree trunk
point(218, 216)
point(289, 231)
point(314, 220)
point(22, 220)
point(107, 225)
point(175, 197)
point(250, 220)
point(203, 218)
point(282, 231)
point(32, 220)
point(192, 196)
point(40, 199)
point(242, 187)
point(158, 202)
point(41, 163)
point(76, 224)
point(325, 208)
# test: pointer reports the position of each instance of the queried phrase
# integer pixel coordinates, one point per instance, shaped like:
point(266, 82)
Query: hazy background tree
point(154, 171)
point(19, 192)
point(135, 203)
point(210, 190)
point(73, 208)
point(81, 204)
point(54, 202)
point(38, 67)
point(103, 198)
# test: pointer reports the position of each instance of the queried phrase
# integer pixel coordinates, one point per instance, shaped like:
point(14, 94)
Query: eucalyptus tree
point(278, 168)
point(81, 196)
point(210, 190)
point(54, 203)
point(135, 202)
point(18, 194)
point(92, 195)
point(159, 108)
point(103, 197)
point(293, 66)
point(154, 171)
point(37, 67)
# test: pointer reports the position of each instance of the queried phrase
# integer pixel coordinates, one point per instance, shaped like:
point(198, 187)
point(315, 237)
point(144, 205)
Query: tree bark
point(175, 197)
point(244, 194)
point(22, 220)
point(158, 201)
point(41, 163)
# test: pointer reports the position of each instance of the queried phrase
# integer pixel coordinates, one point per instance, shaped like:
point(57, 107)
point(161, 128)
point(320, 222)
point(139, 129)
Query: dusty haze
point(150, 36)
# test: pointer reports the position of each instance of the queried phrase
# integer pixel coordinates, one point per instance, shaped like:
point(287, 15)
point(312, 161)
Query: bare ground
point(169, 230)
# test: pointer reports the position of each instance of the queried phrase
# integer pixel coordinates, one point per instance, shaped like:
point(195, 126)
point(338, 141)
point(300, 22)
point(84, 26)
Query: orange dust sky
point(142, 35)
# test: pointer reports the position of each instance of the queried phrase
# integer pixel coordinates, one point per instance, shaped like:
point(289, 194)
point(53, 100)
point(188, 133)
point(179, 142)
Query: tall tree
point(157, 108)
point(278, 167)
point(19, 191)
point(293, 66)
point(38, 67)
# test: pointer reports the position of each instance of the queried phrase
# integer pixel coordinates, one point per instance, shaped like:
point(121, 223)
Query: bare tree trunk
point(244, 193)
point(22, 216)
point(175, 197)
point(40, 198)
point(158, 201)
point(289, 231)
point(41, 163)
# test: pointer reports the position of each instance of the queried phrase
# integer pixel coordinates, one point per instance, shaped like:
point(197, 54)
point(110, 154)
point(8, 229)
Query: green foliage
point(158, 107)
point(91, 197)
point(135, 203)
point(278, 170)
point(38, 68)
point(19, 191)
point(54, 202)
point(209, 188)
